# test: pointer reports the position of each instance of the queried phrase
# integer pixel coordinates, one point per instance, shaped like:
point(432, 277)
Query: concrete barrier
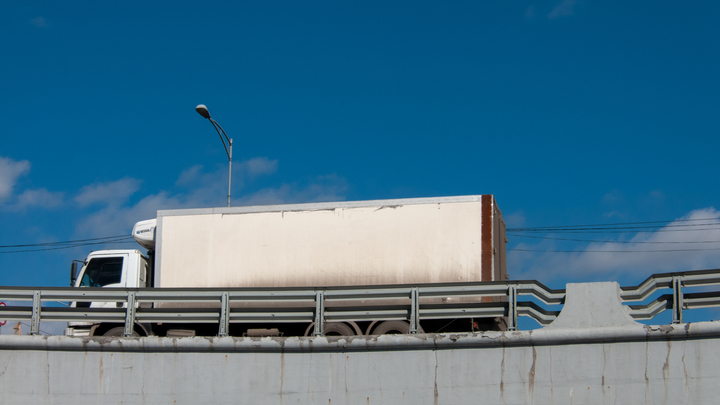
point(581, 359)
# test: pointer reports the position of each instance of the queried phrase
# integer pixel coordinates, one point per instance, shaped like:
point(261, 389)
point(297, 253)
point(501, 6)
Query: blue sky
point(570, 112)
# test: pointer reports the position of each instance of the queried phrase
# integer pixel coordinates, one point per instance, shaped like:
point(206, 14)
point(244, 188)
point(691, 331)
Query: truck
point(415, 241)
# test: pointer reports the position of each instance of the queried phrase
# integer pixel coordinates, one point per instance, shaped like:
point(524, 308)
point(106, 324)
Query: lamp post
point(227, 142)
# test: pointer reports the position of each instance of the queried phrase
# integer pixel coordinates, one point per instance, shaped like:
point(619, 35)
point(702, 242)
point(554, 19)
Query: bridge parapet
point(593, 354)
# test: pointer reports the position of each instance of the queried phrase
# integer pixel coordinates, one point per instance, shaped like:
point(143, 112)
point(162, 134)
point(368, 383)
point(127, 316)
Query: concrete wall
point(604, 360)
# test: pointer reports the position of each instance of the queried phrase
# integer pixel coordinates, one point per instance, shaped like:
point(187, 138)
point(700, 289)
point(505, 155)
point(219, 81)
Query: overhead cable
point(614, 229)
point(106, 238)
point(612, 251)
point(66, 246)
point(609, 241)
point(611, 224)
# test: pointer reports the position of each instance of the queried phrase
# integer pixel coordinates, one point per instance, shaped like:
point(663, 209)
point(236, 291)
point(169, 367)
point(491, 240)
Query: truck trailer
point(334, 244)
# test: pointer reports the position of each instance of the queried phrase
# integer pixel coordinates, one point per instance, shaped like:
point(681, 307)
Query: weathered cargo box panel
point(450, 239)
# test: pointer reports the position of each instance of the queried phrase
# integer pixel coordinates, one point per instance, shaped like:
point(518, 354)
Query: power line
point(607, 241)
point(622, 227)
point(611, 224)
point(612, 251)
point(106, 238)
point(638, 231)
point(714, 225)
point(65, 246)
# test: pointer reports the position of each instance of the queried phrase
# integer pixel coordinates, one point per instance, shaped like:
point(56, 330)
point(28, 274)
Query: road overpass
point(593, 353)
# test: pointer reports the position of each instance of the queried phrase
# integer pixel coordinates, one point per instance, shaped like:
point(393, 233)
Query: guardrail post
point(319, 313)
point(677, 299)
point(129, 314)
point(414, 310)
point(512, 307)
point(35, 320)
point(224, 315)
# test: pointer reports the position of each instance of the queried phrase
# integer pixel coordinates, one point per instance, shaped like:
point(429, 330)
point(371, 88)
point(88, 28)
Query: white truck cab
point(107, 269)
point(127, 268)
point(119, 268)
point(114, 268)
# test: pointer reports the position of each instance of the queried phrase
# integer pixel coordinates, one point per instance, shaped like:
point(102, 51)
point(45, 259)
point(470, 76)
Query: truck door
point(104, 271)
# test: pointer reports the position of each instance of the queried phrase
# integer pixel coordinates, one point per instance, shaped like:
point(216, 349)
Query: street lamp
point(227, 142)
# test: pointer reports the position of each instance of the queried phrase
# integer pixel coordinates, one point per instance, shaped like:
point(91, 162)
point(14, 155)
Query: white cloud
point(250, 168)
point(620, 206)
point(565, 9)
point(39, 22)
point(118, 219)
point(613, 214)
point(40, 198)
point(190, 175)
point(321, 189)
point(514, 220)
point(207, 189)
point(530, 12)
point(111, 193)
point(655, 197)
point(613, 197)
point(684, 246)
point(204, 189)
point(10, 171)
point(260, 165)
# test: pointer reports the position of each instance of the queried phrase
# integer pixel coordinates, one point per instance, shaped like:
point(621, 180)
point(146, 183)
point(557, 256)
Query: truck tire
point(338, 329)
point(394, 328)
point(118, 332)
point(333, 329)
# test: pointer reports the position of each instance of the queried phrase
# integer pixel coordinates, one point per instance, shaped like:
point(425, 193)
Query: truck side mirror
point(73, 273)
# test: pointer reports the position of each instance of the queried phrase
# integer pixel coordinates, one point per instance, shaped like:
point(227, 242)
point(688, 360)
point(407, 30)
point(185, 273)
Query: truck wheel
point(394, 328)
point(333, 329)
point(118, 332)
point(338, 329)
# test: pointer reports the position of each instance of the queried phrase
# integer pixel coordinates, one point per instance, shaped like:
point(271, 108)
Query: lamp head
point(202, 110)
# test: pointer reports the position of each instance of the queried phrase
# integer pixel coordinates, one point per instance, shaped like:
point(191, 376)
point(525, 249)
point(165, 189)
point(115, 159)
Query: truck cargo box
point(422, 240)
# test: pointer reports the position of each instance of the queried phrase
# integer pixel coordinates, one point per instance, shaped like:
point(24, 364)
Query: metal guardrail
point(677, 301)
point(412, 303)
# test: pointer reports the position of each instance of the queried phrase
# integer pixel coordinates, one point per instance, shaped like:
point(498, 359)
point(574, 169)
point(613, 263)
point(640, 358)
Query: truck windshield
point(102, 271)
